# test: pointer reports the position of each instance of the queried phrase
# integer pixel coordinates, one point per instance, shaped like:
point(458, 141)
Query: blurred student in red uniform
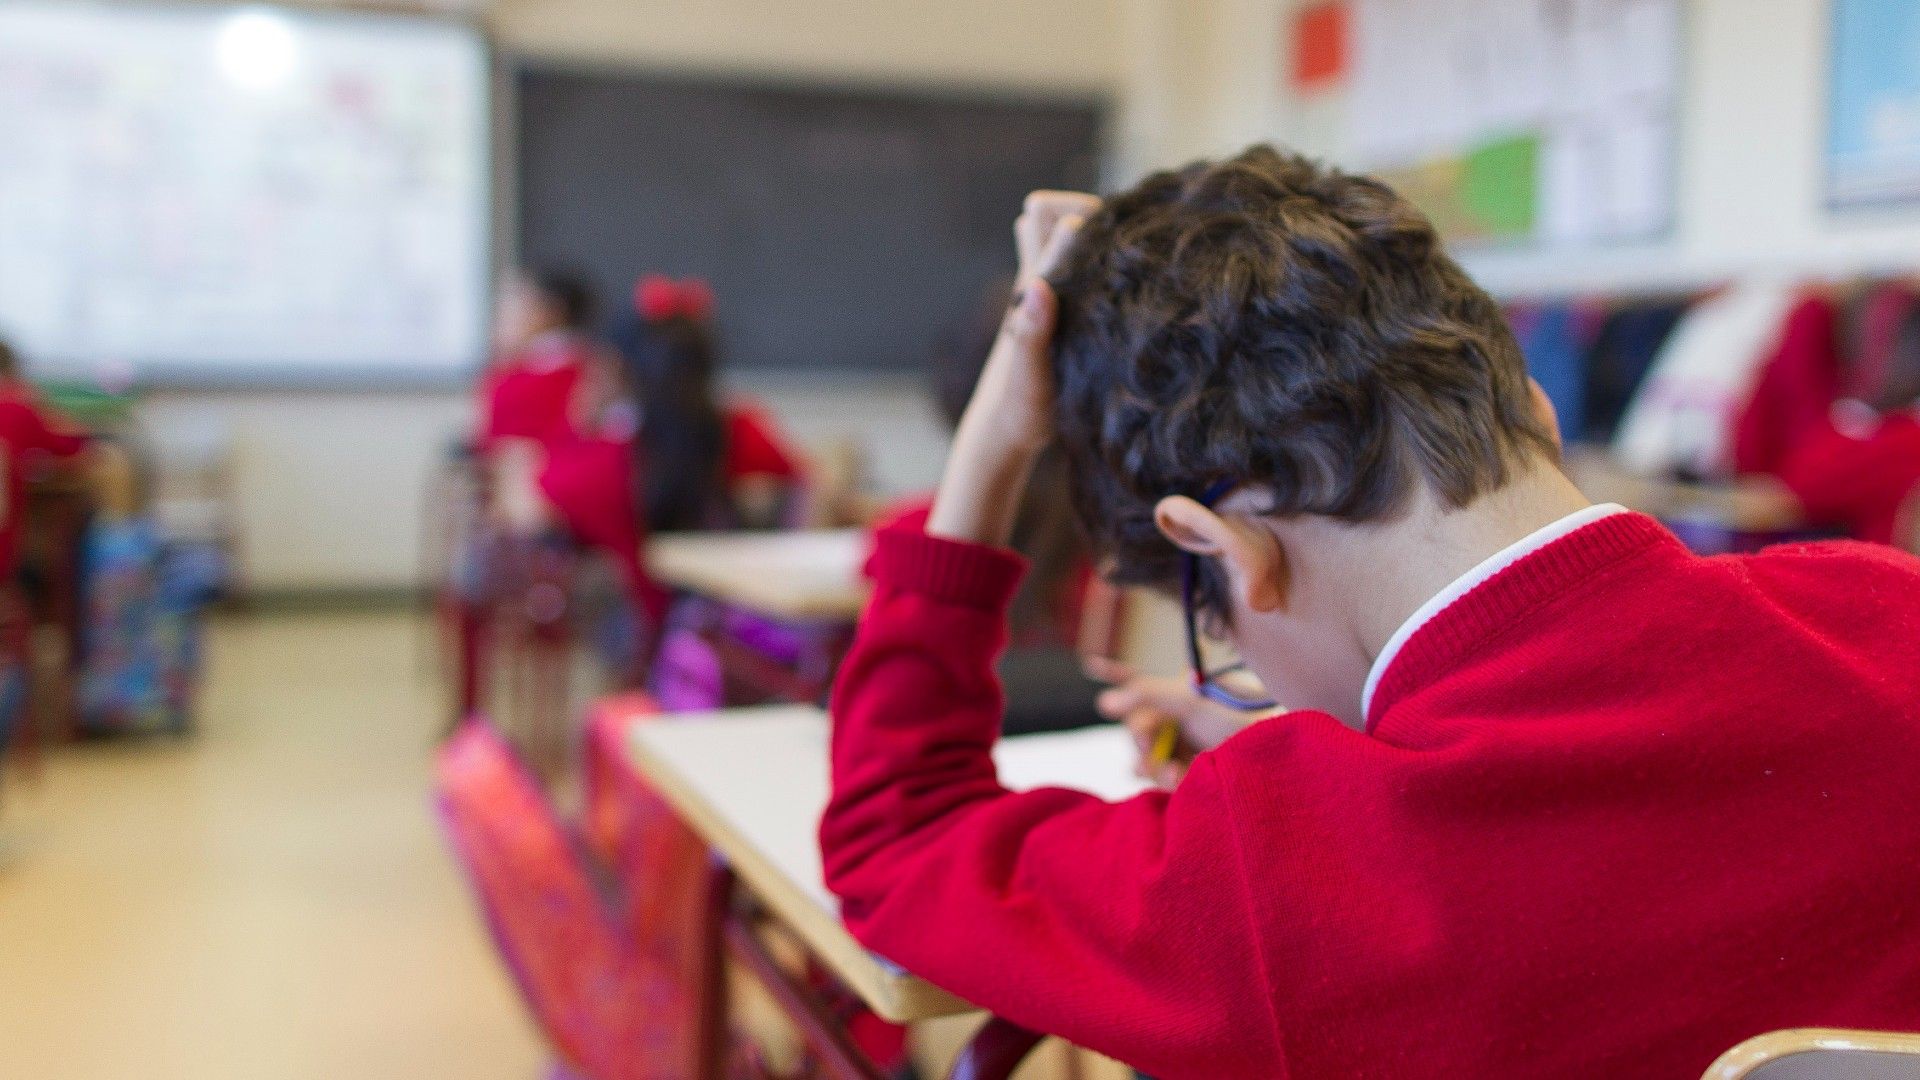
point(542, 346)
point(28, 431)
point(1861, 471)
point(655, 447)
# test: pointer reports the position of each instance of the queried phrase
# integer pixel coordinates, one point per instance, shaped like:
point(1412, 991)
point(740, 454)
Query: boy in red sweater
point(1555, 798)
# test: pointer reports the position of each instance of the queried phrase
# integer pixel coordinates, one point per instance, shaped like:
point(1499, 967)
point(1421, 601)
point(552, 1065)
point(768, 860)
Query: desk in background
point(1713, 519)
point(776, 611)
point(806, 575)
point(752, 784)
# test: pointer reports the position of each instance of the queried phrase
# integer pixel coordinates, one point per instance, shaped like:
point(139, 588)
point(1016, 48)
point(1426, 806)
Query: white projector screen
point(242, 195)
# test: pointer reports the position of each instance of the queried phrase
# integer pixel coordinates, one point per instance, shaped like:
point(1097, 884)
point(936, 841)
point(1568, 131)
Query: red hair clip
point(658, 298)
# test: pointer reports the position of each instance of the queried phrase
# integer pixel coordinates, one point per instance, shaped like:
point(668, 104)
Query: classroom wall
point(1195, 77)
point(996, 44)
point(331, 487)
point(332, 483)
point(1748, 185)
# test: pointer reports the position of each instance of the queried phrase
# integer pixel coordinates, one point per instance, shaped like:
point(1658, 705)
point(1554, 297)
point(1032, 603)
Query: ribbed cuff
point(947, 570)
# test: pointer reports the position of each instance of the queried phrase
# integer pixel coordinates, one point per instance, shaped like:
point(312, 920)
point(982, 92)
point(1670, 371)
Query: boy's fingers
point(1029, 322)
point(1172, 696)
point(1144, 725)
point(1057, 243)
point(1041, 216)
point(1048, 208)
point(1107, 670)
point(1116, 702)
point(1170, 775)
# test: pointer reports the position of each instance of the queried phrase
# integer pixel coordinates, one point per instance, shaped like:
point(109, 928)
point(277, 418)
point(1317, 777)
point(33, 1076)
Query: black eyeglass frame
point(1206, 682)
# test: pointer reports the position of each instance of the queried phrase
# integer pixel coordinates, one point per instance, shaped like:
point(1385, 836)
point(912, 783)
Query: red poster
point(1320, 46)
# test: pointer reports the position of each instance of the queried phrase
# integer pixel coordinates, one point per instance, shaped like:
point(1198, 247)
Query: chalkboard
point(842, 229)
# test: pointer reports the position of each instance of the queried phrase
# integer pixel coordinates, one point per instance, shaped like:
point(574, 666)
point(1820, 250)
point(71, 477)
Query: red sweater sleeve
point(36, 429)
point(1125, 928)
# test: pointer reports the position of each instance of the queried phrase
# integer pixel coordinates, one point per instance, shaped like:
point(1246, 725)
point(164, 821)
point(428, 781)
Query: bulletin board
point(1873, 124)
point(1548, 122)
point(202, 194)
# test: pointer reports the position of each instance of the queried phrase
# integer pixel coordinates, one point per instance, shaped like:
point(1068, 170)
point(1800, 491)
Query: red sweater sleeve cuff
point(973, 575)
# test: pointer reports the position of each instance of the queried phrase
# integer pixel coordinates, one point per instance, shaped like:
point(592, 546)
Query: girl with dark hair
point(697, 461)
point(655, 447)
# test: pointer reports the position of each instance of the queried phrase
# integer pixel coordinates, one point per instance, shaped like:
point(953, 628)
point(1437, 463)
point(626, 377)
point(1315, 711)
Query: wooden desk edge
point(898, 997)
point(768, 600)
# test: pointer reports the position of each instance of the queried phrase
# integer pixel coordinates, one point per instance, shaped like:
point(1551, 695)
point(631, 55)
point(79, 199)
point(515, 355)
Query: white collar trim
point(1473, 579)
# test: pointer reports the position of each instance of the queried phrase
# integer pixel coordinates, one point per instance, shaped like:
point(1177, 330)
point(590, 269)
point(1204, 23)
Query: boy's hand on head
point(1010, 418)
point(1041, 220)
point(1148, 704)
point(1015, 393)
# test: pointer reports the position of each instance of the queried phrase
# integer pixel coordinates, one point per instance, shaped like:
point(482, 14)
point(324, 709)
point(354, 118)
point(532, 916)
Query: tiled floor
point(269, 900)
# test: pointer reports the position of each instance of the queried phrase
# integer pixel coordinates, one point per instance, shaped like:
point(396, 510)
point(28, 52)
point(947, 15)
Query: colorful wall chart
point(1522, 121)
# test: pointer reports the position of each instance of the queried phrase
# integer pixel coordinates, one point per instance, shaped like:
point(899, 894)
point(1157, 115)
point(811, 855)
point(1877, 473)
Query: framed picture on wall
point(1873, 105)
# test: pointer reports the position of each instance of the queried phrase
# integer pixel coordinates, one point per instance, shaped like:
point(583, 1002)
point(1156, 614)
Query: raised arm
point(1125, 928)
point(1122, 927)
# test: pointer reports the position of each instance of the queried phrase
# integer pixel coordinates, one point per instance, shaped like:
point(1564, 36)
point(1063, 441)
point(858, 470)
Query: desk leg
point(712, 1037)
point(994, 1052)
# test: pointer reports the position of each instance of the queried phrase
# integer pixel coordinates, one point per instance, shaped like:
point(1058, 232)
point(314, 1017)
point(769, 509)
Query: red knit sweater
point(1619, 808)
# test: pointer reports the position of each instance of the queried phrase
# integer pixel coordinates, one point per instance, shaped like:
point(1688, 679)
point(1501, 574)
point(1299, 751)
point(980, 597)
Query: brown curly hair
point(1266, 319)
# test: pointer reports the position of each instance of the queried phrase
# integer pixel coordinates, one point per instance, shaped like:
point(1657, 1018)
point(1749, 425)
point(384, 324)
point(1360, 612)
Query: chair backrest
point(660, 865)
point(1821, 1054)
point(599, 1002)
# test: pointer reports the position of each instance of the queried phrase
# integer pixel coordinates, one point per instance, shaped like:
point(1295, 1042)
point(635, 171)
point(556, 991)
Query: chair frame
point(1762, 1050)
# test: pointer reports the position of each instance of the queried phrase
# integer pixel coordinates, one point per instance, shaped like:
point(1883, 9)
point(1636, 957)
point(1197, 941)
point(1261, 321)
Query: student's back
point(1541, 854)
point(1559, 798)
point(25, 431)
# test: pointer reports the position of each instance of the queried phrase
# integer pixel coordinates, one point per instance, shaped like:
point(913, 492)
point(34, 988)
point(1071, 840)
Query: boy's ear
point(1255, 563)
point(1543, 409)
point(1189, 525)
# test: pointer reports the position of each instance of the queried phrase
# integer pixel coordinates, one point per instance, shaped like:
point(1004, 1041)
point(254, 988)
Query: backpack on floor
point(140, 638)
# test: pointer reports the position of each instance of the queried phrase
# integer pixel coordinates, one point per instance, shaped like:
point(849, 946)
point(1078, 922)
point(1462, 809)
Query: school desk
point(805, 583)
point(1711, 519)
point(1736, 509)
point(752, 784)
point(794, 575)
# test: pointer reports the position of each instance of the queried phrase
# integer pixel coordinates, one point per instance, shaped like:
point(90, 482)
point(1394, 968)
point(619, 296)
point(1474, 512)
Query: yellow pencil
point(1165, 741)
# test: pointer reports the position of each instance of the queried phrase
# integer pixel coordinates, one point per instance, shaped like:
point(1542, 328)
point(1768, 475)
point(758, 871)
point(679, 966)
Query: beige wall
point(991, 43)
